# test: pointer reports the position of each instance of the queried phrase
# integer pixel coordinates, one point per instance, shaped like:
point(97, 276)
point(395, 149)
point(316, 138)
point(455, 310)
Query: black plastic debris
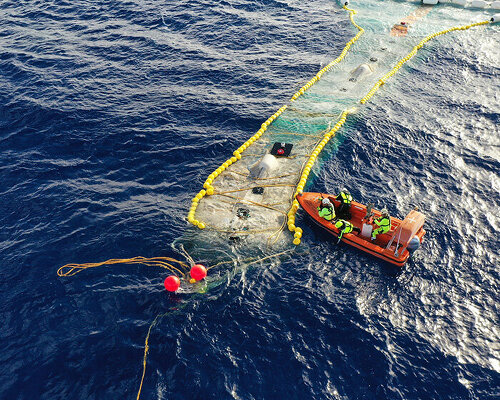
point(281, 149)
point(243, 213)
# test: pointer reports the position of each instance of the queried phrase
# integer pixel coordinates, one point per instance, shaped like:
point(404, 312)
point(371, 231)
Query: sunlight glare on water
point(112, 116)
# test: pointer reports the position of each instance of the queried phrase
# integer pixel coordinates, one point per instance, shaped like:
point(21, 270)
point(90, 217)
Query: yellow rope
point(277, 204)
point(276, 234)
point(146, 350)
point(253, 231)
point(264, 179)
point(250, 188)
point(228, 262)
point(297, 134)
point(404, 60)
point(239, 200)
point(255, 203)
point(163, 262)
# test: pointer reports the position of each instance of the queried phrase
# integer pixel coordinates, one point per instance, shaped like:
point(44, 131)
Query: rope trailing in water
point(208, 189)
point(249, 231)
point(240, 200)
point(146, 351)
point(412, 53)
point(162, 262)
point(252, 260)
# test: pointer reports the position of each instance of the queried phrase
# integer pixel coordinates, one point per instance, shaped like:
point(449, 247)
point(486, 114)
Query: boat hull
point(384, 247)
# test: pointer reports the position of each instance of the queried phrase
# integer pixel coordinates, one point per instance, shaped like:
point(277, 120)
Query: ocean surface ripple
point(111, 114)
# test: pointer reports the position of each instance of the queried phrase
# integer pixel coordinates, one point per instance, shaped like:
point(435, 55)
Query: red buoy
point(172, 283)
point(198, 272)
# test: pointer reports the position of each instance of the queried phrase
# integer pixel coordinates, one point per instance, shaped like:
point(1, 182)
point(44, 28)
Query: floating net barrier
point(251, 196)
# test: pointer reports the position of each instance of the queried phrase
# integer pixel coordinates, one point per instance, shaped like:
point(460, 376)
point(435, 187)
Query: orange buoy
point(198, 272)
point(172, 283)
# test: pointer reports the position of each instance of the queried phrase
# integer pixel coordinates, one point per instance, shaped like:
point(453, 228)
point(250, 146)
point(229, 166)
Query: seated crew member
point(326, 210)
point(345, 227)
point(345, 199)
point(383, 223)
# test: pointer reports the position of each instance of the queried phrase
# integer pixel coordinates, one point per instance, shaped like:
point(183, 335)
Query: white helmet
point(326, 202)
point(384, 211)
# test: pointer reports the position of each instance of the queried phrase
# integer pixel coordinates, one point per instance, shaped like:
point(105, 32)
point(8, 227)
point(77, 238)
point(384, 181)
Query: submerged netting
point(250, 197)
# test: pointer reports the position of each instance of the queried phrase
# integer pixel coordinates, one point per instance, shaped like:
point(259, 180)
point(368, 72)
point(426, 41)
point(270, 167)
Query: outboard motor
point(405, 235)
point(413, 244)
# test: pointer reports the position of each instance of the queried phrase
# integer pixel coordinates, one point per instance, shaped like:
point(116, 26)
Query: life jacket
point(384, 223)
point(327, 213)
point(344, 226)
point(345, 198)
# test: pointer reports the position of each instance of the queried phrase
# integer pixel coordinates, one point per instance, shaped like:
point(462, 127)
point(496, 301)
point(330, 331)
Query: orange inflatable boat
point(394, 246)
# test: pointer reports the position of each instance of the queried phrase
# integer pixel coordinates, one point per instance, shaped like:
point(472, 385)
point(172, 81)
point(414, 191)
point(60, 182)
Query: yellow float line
point(334, 62)
point(208, 189)
point(305, 174)
point(329, 135)
point(412, 53)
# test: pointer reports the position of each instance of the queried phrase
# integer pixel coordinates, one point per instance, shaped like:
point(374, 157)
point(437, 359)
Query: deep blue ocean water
point(111, 114)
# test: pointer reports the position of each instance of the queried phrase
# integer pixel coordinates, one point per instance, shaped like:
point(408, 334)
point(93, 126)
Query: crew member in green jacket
point(345, 227)
point(344, 210)
point(383, 223)
point(326, 210)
